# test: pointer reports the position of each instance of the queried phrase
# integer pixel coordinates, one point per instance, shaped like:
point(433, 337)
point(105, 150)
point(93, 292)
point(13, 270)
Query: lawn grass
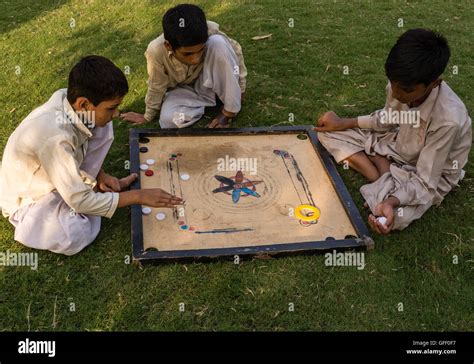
point(299, 71)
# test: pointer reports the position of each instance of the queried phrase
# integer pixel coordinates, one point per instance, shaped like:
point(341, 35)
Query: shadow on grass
point(16, 12)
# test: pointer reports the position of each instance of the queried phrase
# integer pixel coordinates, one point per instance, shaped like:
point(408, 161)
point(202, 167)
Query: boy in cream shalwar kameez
point(423, 159)
point(188, 67)
point(40, 181)
point(52, 186)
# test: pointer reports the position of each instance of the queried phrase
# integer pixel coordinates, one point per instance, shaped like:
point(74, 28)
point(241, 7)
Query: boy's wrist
point(138, 197)
point(150, 114)
point(349, 123)
point(100, 174)
point(127, 198)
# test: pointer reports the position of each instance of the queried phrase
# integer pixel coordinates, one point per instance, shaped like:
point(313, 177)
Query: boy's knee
point(325, 138)
point(80, 236)
point(167, 119)
point(73, 247)
point(166, 123)
point(216, 43)
point(218, 49)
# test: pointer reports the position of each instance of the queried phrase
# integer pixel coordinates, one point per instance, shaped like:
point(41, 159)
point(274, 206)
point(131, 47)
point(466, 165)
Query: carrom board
point(247, 191)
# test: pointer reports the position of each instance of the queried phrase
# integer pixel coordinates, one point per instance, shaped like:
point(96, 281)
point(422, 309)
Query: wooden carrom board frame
point(361, 240)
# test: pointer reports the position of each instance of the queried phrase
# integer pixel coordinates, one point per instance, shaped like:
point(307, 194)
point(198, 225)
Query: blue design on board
point(237, 185)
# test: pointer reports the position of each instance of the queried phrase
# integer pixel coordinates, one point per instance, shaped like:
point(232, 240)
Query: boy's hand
point(156, 197)
point(384, 209)
point(331, 122)
point(133, 117)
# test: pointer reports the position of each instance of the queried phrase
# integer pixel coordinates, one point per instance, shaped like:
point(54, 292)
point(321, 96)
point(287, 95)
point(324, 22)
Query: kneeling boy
point(189, 65)
point(54, 190)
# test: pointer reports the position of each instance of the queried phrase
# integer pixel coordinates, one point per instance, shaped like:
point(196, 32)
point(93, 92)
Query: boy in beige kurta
point(414, 149)
point(190, 65)
point(53, 188)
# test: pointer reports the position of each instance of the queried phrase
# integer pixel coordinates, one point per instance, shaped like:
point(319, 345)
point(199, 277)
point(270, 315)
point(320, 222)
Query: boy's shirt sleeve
point(58, 160)
point(421, 186)
point(158, 82)
point(375, 120)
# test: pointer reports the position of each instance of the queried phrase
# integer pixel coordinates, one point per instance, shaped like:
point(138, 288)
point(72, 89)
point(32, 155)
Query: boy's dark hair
point(185, 25)
point(97, 79)
point(419, 56)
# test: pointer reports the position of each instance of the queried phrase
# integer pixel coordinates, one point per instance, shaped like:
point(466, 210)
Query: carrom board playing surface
point(247, 191)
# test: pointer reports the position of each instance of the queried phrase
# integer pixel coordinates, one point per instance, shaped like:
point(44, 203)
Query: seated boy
point(414, 149)
point(189, 65)
point(53, 188)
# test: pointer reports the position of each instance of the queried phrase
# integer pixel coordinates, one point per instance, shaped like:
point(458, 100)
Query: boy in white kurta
point(189, 65)
point(53, 188)
point(414, 149)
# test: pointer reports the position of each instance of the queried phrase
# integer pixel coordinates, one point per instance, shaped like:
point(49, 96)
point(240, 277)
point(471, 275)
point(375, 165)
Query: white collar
point(73, 118)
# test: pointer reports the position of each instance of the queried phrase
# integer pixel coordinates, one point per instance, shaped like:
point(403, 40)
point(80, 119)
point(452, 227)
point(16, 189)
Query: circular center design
point(269, 189)
point(246, 182)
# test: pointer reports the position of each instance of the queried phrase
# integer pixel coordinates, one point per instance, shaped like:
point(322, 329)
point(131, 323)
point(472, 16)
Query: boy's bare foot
point(127, 181)
point(362, 164)
point(371, 167)
point(222, 120)
point(381, 163)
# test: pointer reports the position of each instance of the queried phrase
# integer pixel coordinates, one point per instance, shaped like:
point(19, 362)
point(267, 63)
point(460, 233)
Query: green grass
point(299, 71)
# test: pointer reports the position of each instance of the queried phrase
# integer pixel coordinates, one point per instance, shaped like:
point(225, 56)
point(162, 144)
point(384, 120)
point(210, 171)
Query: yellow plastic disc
point(314, 209)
